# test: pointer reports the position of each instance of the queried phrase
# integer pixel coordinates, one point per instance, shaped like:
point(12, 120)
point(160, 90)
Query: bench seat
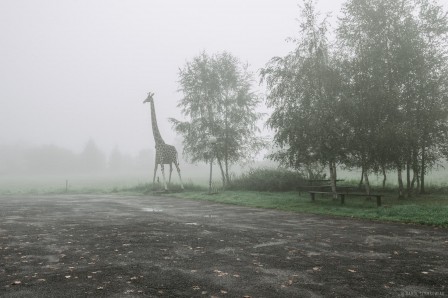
point(342, 195)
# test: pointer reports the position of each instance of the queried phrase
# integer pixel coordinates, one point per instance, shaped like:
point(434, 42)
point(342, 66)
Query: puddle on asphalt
point(152, 210)
point(273, 243)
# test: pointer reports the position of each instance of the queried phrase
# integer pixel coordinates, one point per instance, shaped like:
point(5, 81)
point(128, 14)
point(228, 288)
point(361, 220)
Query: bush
point(150, 187)
point(267, 179)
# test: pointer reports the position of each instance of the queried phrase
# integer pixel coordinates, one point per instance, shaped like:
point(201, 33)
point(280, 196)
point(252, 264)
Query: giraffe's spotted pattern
point(165, 154)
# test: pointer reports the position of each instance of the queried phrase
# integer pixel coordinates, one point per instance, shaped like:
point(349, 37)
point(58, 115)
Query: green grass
point(428, 209)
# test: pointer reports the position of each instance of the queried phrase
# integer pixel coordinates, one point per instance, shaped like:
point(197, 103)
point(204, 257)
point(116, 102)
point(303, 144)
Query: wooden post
point(312, 196)
point(378, 201)
point(342, 198)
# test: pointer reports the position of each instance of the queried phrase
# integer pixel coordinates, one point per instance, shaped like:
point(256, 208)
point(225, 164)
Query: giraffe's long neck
point(155, 129)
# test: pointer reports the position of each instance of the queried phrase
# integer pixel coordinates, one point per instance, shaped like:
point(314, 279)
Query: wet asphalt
point(152, 246)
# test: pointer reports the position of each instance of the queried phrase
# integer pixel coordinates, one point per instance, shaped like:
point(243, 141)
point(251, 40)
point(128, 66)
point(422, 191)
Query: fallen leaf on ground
point(352, 270)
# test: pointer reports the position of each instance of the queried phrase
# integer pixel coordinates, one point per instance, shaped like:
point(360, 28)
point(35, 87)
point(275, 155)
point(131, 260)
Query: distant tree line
point(376, 98)
point(51, 159)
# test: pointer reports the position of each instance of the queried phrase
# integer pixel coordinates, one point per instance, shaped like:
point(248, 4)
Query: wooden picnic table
point(320, 185)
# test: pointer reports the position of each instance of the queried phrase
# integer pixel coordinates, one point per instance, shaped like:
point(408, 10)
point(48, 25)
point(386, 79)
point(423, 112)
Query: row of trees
point(51, 159)
point(375, 97)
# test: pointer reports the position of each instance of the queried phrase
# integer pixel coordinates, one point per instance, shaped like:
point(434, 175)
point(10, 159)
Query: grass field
point(427, 209)
point(430, 209)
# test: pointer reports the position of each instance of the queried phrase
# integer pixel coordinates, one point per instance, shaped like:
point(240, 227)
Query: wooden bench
point(342, 195)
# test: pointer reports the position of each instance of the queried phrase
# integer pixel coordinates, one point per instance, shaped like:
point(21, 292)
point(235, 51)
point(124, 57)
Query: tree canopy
point(220, 107)
point(377, 98)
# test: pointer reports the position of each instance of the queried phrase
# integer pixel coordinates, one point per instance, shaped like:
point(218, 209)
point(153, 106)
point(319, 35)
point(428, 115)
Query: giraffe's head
point(149, 98)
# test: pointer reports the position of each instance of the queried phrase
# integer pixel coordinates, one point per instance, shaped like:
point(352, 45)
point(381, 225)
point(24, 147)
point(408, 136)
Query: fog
point(74, 71)
point(79, 70)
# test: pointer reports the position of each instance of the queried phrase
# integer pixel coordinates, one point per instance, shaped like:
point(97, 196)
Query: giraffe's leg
point(155, 171)
point(171, 170)
point(176, 163)
point(163, 175)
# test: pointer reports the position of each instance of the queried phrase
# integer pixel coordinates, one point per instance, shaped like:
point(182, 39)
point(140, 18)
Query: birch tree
point(304, 92)
point(218, 102)
point(397, 98)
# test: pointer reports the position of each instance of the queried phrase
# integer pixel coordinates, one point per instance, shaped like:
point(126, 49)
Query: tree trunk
point(400, 181)
point(223, 177)
point(366, 181)
point(211, 176)
point(422, 170)
point(408, 179)
point(362, 177)
point(310, 173)
point(414, 179)
point(418, 181)
point(332, 168)
point(383, 168)
point(226, 163)
point(226, 142)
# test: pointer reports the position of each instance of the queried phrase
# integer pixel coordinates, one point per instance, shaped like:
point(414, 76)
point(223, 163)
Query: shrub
point(150, 187)
point(267, 179)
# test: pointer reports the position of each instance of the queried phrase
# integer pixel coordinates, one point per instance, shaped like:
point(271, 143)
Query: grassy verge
point(428, 209)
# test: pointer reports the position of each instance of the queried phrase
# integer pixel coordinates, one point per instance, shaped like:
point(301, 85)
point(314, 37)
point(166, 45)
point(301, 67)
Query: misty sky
point(76, 69)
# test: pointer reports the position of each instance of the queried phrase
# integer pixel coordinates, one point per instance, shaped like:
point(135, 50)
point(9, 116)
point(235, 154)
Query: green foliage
point(219, 105)
point(304, 91)
point(396, 65)
point(376, 99)
point(267, 180)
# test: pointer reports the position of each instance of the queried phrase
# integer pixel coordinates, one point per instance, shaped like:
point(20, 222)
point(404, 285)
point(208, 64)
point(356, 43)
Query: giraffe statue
point(165, 154)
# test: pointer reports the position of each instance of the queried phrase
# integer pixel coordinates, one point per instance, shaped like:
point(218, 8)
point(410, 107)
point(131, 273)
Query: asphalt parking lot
point(149, 246)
